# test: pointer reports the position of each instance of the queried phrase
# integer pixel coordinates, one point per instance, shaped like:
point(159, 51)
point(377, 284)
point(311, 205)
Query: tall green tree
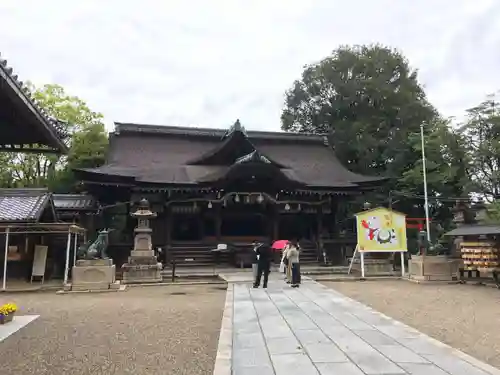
point(482, 133)
point(88, 144)
point(370, 103)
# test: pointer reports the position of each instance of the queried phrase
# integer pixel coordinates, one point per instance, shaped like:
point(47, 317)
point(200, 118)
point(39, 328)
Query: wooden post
point(4, 281)
point(276, 224)
point(168, 217)
point(66, 266)
point(218, 222)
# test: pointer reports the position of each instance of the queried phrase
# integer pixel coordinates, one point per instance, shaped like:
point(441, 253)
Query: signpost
point(380, 230)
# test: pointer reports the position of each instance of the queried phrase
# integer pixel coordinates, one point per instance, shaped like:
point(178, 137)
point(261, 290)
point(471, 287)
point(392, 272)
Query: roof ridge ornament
point(236, 127)
point(254, 156)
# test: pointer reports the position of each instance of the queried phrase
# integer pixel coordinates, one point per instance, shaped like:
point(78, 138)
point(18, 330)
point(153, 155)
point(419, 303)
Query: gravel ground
point(466, 317)
point(144, 330)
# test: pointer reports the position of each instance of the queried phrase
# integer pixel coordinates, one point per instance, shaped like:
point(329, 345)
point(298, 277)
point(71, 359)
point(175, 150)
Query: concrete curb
point(122, 288)
point(180, 283)
point(223, 361)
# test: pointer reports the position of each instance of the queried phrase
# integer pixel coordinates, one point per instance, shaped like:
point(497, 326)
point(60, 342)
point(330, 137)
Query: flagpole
point(426, 197)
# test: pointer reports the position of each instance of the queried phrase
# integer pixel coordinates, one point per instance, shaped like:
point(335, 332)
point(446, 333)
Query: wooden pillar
point(218, 222)
point(168, 219)
point(276, 222)
point(319, 221)
point(201, 226)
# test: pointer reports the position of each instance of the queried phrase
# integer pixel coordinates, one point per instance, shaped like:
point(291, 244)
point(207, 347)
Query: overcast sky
point(208, 62)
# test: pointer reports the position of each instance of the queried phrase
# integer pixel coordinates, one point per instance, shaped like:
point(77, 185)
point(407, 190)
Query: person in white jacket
point(284, 262)
point(292, 255)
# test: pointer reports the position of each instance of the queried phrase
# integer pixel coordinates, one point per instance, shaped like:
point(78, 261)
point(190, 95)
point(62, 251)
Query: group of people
point(289, 264)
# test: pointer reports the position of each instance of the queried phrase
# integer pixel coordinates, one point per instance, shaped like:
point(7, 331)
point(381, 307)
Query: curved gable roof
point(182, 155)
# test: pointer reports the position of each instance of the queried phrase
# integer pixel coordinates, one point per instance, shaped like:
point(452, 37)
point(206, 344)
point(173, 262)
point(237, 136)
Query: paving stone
point(374, 363)
point(253, 370)
point(293, 364)
point(352, 344)
point(339, 369)
point(422, 345)
point(257, 356)
point(300, 322)
point(284, 345)
point(325, 353)
point(312, 336)
point(351, 322)
point(454, 365)
point(272, 332)
point(397, 332)
point(248, 340)
point(374, 337)
point(400, 354)
point(422, 369)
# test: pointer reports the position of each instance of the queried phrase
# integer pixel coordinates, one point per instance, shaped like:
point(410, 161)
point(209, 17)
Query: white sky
point(206, 63)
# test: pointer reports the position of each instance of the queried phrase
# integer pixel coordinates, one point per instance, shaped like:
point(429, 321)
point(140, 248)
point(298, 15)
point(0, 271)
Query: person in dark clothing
point(264, 258)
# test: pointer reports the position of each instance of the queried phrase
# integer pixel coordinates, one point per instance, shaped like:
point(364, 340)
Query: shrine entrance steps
point(196, 254)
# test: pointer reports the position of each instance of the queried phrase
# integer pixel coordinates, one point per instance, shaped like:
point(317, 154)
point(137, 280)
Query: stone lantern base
point(142, 267)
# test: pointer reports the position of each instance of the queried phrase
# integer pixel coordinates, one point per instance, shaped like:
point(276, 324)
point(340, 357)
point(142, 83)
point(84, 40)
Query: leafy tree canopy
point(88, 144)
point(369, 102)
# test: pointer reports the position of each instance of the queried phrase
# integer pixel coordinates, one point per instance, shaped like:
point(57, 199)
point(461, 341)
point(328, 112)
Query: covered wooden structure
point(214, 185)
point(479, 250)
point(24, 126)
point(28, 216)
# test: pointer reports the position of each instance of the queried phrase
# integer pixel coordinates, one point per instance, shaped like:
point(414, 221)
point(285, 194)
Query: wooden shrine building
point(212, 186)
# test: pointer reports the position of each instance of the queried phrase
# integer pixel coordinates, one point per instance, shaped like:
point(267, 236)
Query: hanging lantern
point(209, 204)
point(260, 199)
point(236, 198)
point(287, 207)
point(298, 207)
point(247, 199)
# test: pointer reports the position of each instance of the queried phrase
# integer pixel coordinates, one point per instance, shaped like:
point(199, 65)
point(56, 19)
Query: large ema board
point(380, 230)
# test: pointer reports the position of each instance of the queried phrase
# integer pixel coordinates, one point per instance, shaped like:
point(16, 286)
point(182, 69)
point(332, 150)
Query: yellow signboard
point(380, 230)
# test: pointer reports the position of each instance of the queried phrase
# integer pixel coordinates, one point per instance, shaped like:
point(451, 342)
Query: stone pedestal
point(93, 275)
point(433, 268)
point(141, 268)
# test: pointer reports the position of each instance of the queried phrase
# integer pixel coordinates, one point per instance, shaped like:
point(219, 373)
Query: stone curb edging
point(223, 361)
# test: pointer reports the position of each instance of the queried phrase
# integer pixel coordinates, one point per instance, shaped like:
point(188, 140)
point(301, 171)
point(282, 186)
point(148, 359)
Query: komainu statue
point(96, 249)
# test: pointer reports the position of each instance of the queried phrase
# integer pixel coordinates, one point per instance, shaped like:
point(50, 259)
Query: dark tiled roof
point(23, 205)
point(474, 230)
point(74, 202)
point(36, 126)
point(156, 154)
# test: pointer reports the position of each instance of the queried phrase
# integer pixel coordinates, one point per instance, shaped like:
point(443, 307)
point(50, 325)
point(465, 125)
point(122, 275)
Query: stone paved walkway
point(314, 330)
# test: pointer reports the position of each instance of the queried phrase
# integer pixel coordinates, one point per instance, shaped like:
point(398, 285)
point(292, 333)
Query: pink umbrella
point(280, 244)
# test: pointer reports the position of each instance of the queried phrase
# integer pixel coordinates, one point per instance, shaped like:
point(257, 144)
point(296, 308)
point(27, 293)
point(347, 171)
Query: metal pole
point(426, 197)
point(66, 266)
point(74, 250)
point(4, 280)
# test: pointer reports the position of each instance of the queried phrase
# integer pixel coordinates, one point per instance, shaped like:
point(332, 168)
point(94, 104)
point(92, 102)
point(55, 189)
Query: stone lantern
point(142, 265)
point(142, 240)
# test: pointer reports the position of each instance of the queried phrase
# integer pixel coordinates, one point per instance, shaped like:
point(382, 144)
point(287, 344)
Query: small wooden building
point(213, 185)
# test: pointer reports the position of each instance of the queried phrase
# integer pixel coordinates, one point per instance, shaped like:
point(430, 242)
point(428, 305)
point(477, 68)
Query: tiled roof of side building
point(74, 202)
point(24, 205)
